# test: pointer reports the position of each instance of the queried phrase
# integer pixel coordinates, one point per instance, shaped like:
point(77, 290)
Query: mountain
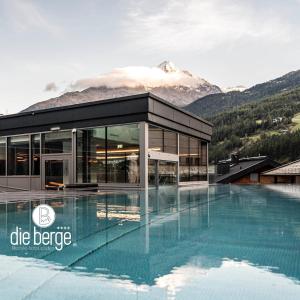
point(267, 127)
point(213, 104)
point(179, 87)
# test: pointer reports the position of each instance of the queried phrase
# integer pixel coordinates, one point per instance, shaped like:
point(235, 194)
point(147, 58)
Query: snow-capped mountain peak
point(168, 67)
point(177, 86)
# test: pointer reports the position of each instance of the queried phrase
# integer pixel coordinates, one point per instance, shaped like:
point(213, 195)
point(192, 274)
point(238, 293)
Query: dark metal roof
point(244, 167)
point(142, 107)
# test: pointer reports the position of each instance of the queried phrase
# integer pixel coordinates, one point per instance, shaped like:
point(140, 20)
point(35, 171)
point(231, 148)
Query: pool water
point(220, 242)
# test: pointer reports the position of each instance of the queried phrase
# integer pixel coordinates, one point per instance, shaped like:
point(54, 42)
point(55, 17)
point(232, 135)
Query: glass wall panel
point(162, 140)
point(203, 161)
point(194, 159)
point(123, 154)
point(167, 172)
point(170, 142)
point(35, 154)
point(2, 156)
point(152, 165)
point(91, 155)
point(184, 170)
point(57, 142)
point(18, 155)
point(156, 138)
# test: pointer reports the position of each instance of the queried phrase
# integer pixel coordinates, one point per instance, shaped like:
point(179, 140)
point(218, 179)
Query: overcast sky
point(47, 44)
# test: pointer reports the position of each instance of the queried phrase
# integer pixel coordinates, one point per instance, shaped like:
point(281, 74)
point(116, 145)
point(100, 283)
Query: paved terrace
point(8, 195)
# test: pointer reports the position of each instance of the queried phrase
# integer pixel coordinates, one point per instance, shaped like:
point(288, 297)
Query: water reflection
point(166, 237)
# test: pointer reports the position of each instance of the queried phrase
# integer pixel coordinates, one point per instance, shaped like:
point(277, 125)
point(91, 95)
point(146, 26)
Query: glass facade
point(18, 155)
point(108, 154)
point(2, 156)
point(35, 154)
point(57, 142)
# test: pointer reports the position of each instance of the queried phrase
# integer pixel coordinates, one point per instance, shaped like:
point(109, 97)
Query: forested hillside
point(267, 127)
point(213, 104)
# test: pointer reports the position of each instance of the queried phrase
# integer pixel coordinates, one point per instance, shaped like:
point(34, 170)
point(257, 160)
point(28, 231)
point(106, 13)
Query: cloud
point(51, 87)
point(179, 25)
point(25, 15)
point(135, 76)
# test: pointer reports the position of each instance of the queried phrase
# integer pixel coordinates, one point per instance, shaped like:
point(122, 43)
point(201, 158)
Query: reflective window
point(162, 140)
point(170, 142)
point(18, 155)
point(194, 159)
point(123, 154)
point(156, 139)
point(35, 154)
point(203, 154)
point(57, 142)
point(2, 156)
point(167, 172)
point(108, 154)
point(203, 161)
point(91, 155)
point(184, 168)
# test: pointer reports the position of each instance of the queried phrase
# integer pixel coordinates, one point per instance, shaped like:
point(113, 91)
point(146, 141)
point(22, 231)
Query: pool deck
point(7, 195)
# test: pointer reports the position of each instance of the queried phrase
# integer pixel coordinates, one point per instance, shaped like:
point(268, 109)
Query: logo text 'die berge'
point(43, 216)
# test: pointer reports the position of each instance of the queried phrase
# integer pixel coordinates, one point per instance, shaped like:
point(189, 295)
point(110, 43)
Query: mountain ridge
point(210, 105)
point(179, 87)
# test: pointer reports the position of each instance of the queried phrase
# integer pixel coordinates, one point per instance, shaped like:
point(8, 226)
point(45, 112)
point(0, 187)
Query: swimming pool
point(221, 242)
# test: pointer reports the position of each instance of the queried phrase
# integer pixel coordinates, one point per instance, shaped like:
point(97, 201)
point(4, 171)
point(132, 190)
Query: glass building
point(135, 141)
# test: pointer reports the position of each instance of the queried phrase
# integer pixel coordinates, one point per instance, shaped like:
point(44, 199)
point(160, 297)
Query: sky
point(46, 46)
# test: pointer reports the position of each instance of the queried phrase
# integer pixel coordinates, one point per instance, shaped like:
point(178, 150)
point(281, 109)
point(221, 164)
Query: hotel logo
point(43, 216)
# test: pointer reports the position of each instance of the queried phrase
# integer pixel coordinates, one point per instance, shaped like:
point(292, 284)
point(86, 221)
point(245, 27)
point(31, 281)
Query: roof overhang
point(143, 107)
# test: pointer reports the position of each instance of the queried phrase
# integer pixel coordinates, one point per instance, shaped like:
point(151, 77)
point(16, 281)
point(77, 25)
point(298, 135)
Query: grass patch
point(296, 122)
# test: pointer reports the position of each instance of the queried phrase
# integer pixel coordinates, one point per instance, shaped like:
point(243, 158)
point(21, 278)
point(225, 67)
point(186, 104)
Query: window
point(203, 161)
point(91, 155)
point(170, 142)
point(18, 155)
point(108, 154)
point(184, 169)
point(57, 142)
point(2, 156)
point(123, 154)
point(35, 154)
point(194, 159)
point(162, 140)
point(156, 138)
point(254, 177)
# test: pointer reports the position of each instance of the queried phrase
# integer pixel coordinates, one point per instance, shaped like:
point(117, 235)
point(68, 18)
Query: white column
point(143, 155)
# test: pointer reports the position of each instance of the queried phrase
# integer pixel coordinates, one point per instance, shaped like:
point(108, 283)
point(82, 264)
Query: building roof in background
point(292, 168)
point(245, 166)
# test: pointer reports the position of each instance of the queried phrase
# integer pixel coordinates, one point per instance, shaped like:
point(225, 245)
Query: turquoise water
point(221, 242)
